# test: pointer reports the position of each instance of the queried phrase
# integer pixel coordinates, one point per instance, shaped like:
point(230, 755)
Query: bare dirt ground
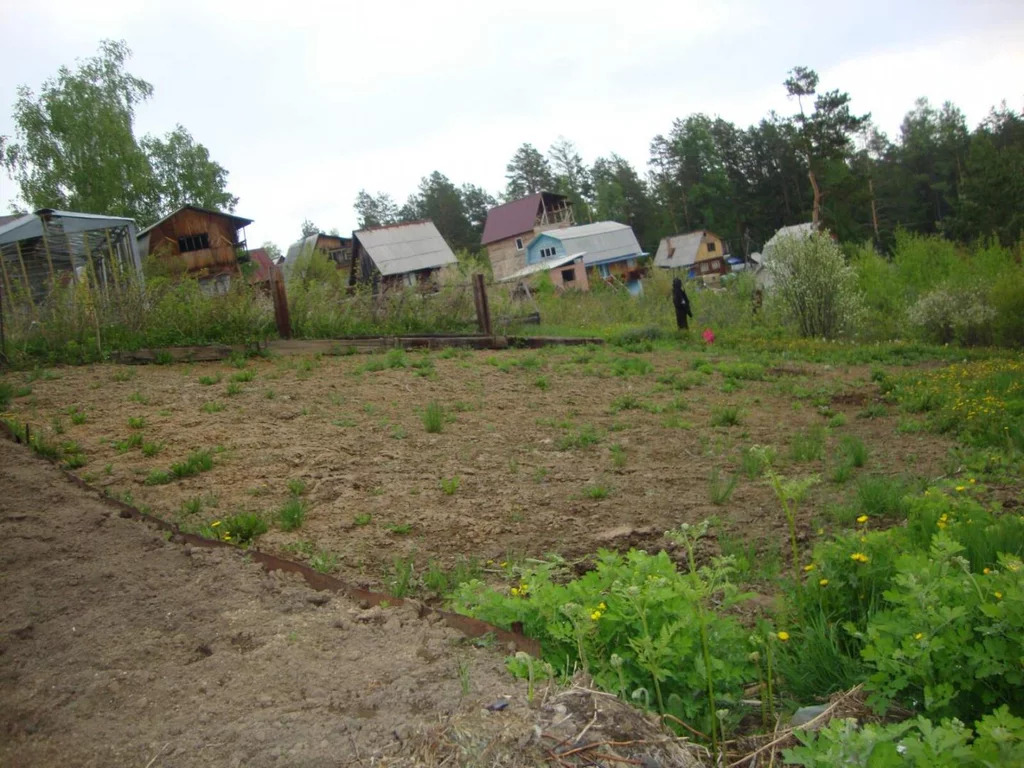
point(373, 474)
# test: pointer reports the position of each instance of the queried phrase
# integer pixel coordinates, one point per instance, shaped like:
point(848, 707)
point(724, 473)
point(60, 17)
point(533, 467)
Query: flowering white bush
point(815, 284)
point(953, 313)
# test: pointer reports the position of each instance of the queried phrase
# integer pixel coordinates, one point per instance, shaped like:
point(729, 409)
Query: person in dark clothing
point(682, 304)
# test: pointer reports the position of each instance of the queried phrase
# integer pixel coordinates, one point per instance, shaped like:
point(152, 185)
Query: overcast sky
point(305, 103)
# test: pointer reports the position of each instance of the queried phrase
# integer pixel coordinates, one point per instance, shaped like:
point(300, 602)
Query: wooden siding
point(219, 258)
point(715, 251)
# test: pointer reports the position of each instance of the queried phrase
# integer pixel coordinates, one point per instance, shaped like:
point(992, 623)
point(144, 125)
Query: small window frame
point(519, 243)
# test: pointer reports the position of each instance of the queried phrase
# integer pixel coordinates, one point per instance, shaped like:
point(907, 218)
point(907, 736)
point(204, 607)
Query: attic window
point(711, 246)
point(547, 253)
point(519, 243)
point(193, 242)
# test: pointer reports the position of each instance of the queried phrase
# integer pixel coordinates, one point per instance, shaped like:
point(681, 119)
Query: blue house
point(610, 251)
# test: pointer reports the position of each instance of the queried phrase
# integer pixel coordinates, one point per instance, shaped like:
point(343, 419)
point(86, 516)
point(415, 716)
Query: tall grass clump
point(433, 417)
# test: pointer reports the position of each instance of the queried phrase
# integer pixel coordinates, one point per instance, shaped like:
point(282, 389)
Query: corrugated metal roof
point(678, 251)
point(402, 248)
point(601, 242)
point(540, 266)
point(31, 224)
point(240, 221)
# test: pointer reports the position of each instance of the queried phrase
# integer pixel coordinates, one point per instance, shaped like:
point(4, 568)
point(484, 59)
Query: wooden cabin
point(335, 247)
point(510, 227)
point(205, 241)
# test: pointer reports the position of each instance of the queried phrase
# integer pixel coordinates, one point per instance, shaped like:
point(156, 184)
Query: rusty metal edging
point(319, 581)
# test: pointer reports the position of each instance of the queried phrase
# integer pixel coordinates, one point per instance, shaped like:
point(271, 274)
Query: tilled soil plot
point(559, 450)
point(119, 648)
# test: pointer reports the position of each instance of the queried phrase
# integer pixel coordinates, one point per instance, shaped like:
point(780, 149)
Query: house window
point(715, 264)
point(519, 243)
point(703, 267)
point(568, 275)
point(193, 242)
point(547, 253)
point(711, 247)
point(605, 272)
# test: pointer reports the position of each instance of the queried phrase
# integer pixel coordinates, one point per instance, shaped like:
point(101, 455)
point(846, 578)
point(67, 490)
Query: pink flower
point(709, 336)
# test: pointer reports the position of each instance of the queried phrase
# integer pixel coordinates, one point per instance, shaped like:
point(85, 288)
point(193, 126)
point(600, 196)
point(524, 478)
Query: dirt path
point(120, 648)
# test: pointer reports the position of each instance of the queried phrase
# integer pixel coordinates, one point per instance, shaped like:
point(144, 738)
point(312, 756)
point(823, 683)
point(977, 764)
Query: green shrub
point(449, 485)
point(241, 529)
point(726, 416)
point(583, 437)
point(199, 461)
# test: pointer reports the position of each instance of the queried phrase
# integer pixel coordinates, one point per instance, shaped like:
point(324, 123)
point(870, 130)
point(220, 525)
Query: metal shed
point(41, 248)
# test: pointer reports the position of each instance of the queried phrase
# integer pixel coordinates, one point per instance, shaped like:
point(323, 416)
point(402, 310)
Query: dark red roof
point(263, 263)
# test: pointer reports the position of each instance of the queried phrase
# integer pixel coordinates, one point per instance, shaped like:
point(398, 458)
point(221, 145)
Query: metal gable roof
point(601, 242)
point(402, 248)
point(31, 224)
point(678, 250)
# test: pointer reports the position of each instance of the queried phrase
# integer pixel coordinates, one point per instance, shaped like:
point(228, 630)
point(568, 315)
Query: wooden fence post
point(483, 309)
point(280, 297)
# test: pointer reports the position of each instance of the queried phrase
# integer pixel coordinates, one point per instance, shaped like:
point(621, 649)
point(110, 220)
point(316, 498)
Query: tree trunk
point(816, 215)
point(874, 209)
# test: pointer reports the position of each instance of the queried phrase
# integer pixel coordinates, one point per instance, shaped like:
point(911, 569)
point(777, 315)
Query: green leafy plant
point(596, 491)
point(583, 437)
point(808, 444)
point(323, 561)
point(726, 416)
point(362, 519)
point(136, 422)
point(196, 462)
point(433, 417)
point(296, 486)
point(211, 407)
point(243, 376)
point(449, 485)
point(208, 381)
point(720, 489)
point(150, 449)
point(400, 529)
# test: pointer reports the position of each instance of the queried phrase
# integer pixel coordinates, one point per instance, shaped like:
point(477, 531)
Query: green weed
point(719, 489)
point(726, 416)
point(433, 417)
point(292, 515)
point(361, 519)
point(449, 485)
point(209, 381)
point(211, 407)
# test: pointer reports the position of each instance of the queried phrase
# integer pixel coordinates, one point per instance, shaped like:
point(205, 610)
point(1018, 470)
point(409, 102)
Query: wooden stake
point(24, 274)
point(49, 257)
point(483, 310)
point(7, 278)
point(277, 292)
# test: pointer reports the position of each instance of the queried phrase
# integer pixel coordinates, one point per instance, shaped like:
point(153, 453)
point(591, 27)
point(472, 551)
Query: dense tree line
point(821, 163)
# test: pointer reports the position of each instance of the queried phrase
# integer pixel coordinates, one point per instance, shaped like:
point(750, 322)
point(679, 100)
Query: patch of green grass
point(192, 506)
point(233, 389)
point(433, 417)
point(292, 515)
point(742, 370)
point(755, 459)
point(596, 491)
point(584, 437)
point(75, 460)
point(270, 394)
point(449, 485)
point(399, 529)
point(323, 561)
point(243, 376)
point(631, 366)
point(125, 374)
point(150, 449)
point(296, 486)
point(134, 440)
point(138, 397)
point(720, 489)
point(136, 422)
point(211, 407)
point(873, 411)
point(854, 450)
point(23, 391)
point(618, 455)
point(362, 519)
point(879, 496)
point(344, 421)
point(57, 425)
point(400, 579)
point(199, 461)
point(808, 444)
point(398, 432)
point(627, 402)
point(541, 383)
point(209, 381)
point(79, 417)
point(675, 421)
point(726, 416)
point(837, 420)
point(159, 477)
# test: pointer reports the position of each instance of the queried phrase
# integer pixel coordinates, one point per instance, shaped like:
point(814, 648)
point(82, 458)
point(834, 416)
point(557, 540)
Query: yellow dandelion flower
point(859, 557)
point(514, 591)
point(783, 636)
point(961, 488)
point(972, 481)
point(823, 582)
point(862, 519)
point(602, 607)
point(999, 595)
point(504, 564)
point(919, 635)
point(215, 523)
point(809, 567)
point(595, 615)
point(986, 571)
